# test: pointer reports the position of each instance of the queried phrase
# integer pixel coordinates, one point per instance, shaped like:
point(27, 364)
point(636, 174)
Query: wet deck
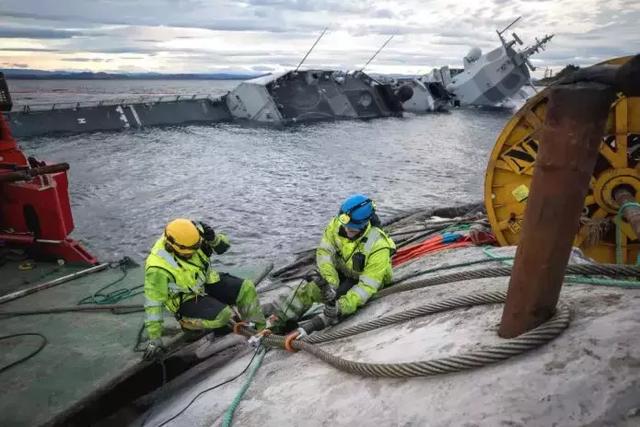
point(86, 352)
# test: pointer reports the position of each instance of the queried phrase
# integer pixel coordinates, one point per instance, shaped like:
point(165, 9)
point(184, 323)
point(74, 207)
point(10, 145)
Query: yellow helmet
point(183, 236)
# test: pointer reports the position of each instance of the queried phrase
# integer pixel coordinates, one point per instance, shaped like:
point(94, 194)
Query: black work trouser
point(219, 295)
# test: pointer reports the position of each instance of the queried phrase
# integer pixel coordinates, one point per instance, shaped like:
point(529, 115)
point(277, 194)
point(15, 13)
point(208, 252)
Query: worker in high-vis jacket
point(179, 277)
point(353, 262)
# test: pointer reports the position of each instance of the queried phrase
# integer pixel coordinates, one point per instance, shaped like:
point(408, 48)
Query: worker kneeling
point(353, 262)
point(178, 276)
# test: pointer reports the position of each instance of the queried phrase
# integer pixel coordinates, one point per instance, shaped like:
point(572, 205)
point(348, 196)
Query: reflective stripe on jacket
point(336, 254)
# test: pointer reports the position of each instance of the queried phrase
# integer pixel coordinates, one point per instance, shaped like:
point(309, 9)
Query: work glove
point(331, 313)
point(154, 349)
point(328, 293)
point(208, 234)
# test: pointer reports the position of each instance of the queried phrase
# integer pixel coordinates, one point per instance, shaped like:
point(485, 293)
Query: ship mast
point(314, 45)
point(377, 52)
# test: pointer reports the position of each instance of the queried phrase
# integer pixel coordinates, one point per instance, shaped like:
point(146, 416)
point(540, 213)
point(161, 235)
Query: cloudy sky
point(265, 35)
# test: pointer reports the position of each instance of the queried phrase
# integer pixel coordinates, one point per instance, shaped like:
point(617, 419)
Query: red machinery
point(35, 212)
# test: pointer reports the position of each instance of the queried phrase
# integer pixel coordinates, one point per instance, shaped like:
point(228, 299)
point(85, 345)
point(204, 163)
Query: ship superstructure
point(491, 78)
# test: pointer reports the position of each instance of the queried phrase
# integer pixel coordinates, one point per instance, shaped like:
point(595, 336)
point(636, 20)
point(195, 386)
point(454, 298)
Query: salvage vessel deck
point(86, 354)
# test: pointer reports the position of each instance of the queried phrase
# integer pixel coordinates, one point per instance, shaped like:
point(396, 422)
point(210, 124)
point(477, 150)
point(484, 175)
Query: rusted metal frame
point(28, 174)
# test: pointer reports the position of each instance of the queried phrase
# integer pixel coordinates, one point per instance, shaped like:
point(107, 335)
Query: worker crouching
point(179, 277)
point(353, 262)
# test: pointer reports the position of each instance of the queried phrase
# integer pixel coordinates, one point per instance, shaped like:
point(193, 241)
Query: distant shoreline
point(52, 75)
point(126, 78)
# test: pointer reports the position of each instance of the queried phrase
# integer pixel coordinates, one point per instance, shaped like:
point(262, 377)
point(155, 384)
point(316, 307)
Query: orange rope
point(288, 339)
point(237, 326)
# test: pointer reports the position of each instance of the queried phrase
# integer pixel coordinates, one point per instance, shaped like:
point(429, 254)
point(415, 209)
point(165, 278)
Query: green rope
point(228, 415)
point(114, 297)
point(581, 280)
point(456, 227)
point(507, 260)
point(627, 284)
point(618, 222)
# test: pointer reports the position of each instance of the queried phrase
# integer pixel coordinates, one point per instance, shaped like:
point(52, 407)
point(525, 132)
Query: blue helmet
point(356, 211)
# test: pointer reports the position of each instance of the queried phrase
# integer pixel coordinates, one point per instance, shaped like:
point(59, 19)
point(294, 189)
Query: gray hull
point(292, 97)
point(82, 119)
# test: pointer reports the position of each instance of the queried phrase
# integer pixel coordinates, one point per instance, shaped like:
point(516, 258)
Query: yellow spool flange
point(512, 161)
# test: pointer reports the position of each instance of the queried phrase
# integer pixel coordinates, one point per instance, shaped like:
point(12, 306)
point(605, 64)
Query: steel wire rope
point(491, 354)
point(472, 359)
point(469, 360)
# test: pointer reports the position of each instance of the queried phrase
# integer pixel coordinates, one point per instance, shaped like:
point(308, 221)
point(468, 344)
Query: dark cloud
point(275, 33)
point(15, 65)
point(343, 6)
point(36, 33)
point(155, 17)
point(384, 13)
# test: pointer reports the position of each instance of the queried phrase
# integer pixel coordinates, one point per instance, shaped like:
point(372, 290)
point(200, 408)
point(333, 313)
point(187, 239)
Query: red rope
point(429, 246)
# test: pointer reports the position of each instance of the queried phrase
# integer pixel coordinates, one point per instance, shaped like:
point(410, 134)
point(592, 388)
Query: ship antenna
point(314, 45)
point(377, 52)
point(506, 28)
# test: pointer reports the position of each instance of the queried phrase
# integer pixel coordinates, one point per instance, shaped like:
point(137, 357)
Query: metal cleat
point(256, 340)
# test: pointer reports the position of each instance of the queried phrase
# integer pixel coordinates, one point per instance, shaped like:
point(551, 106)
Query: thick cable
point(42, 345)
point(473, 359)
point(572, 269)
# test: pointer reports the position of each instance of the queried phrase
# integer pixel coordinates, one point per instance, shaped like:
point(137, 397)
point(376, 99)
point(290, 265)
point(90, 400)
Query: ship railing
point(74, 105)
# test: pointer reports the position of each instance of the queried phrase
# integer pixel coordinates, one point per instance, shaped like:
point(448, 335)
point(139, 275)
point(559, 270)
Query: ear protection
point(345, 217)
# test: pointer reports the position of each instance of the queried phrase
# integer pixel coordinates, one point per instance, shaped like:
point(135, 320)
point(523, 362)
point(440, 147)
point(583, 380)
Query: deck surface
point(85, 352)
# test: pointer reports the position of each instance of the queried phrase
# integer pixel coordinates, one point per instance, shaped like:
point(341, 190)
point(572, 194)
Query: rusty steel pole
point(577, 111)
point(571, 136)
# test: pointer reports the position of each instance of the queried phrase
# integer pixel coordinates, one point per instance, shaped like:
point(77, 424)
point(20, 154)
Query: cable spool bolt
point(612, 180)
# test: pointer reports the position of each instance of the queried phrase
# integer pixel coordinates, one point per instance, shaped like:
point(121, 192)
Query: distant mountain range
point(25, 74)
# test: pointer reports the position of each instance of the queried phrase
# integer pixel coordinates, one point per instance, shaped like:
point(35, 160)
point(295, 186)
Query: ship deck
point(86, 353)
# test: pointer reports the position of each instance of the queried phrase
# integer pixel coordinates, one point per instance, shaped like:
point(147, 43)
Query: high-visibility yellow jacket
point(336, 254)
point(170, 280)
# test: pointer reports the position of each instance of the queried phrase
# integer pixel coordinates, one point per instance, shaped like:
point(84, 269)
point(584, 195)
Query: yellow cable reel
point(511, 166)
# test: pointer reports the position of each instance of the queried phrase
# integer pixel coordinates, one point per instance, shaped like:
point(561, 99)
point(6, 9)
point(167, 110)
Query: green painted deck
point(86, 352)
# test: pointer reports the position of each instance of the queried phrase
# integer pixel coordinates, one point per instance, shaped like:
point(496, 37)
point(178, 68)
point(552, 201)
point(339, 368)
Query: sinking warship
point(301, 96)
point(276, 99)
point(314, 95)
point(492, 78)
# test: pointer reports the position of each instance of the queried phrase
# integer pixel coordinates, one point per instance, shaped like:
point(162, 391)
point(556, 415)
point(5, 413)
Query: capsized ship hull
point(275, 99)
point(312, 95)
